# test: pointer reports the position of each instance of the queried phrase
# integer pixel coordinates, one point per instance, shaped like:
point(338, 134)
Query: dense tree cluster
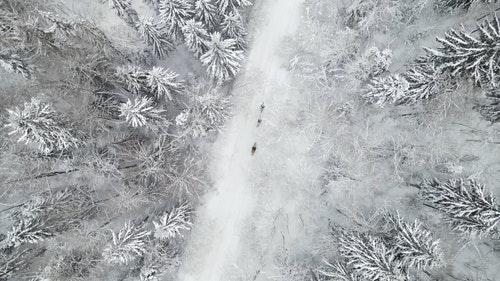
point(462, 55)
point(466, 204)
point(103, 129)
point(196, 24)
point(38, 124)
point(490, 109)
point(387, 255)
point(369, 15)
point(463, 4)
point(335, 62)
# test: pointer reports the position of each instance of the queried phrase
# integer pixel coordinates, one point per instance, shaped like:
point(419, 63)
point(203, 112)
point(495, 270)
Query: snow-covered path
point(215, 241)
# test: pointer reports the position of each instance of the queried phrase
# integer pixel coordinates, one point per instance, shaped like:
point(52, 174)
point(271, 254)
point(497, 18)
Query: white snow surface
point(215, 243)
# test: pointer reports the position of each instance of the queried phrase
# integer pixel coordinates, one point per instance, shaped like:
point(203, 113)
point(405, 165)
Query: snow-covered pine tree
point(369, 15)
point(339, 271)
point(153, 161)
point(463, 54)
point(214, 107)
point(141, 112)
point(370, 258)
point(185, 178)
point(9, 26)
point(63, 207)
point(16, 65)
point(27, 231)
point(195, 37)
point(391, 89)
point(222, 59)
point(233, 27)
point(491, 109)
point(425, 80)
point(231, 5)
point(152, 34)
point(153, 3)
point(465, 203)
point(174, 14)
point(73, 264)
point(191, 123)
point(164, 82)
point(12, 262)
point(48, 213)
point(133, 77)
point(124, 10)
point(414, 245)
point(37, 123)
point(371, 64)
point(60, 26)
point(128, 243)
point(173, 223)
point(464, 4)
point(206, 13)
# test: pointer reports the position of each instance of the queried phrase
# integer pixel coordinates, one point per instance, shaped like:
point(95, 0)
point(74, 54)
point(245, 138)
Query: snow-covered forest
point(250, 140)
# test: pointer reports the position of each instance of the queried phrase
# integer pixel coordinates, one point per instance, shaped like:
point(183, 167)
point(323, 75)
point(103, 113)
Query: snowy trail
point(215, 241)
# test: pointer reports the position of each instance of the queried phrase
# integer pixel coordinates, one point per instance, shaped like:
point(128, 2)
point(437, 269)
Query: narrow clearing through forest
point(216, 240)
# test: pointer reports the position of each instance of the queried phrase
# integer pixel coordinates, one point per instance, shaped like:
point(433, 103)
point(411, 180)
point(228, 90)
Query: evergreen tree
point(206, 13)
point(463, 54)
point(141, 112)
point(59, 207)
point(60, 26)
point(392, 89)
point(73, 264)
point(221, 59)
point(153, 3)
point(464, 4)
point(425, 80)
point(48, 213)
point(231, 5)
point(124, 10)
point(422, 81)
point(174, 14)
point(158, 82)
point(151, 33)
point(371, 64)
point(214, 108)
point(196, 37)
point(164, 82)
point(233, 27)
point(133, 77)
point(12, 261)
point(466, 204)
point(37, 123)
point(191, 123)
point(370, 15)
point(339, 271)
point(173, 223)
point(16, 65)
point(491, 110)
point(128, 243)
point(414, 245)
point(27, 231)
point(370, 258)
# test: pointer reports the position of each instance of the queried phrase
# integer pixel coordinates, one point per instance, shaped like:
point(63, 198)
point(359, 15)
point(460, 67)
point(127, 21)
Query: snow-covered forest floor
point(134, 145)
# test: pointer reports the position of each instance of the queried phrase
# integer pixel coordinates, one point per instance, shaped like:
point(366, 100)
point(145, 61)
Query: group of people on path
point(259, 121)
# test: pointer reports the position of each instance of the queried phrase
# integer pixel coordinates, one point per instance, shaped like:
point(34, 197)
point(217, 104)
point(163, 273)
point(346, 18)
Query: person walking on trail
point(259, 121)
point(254, 147)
